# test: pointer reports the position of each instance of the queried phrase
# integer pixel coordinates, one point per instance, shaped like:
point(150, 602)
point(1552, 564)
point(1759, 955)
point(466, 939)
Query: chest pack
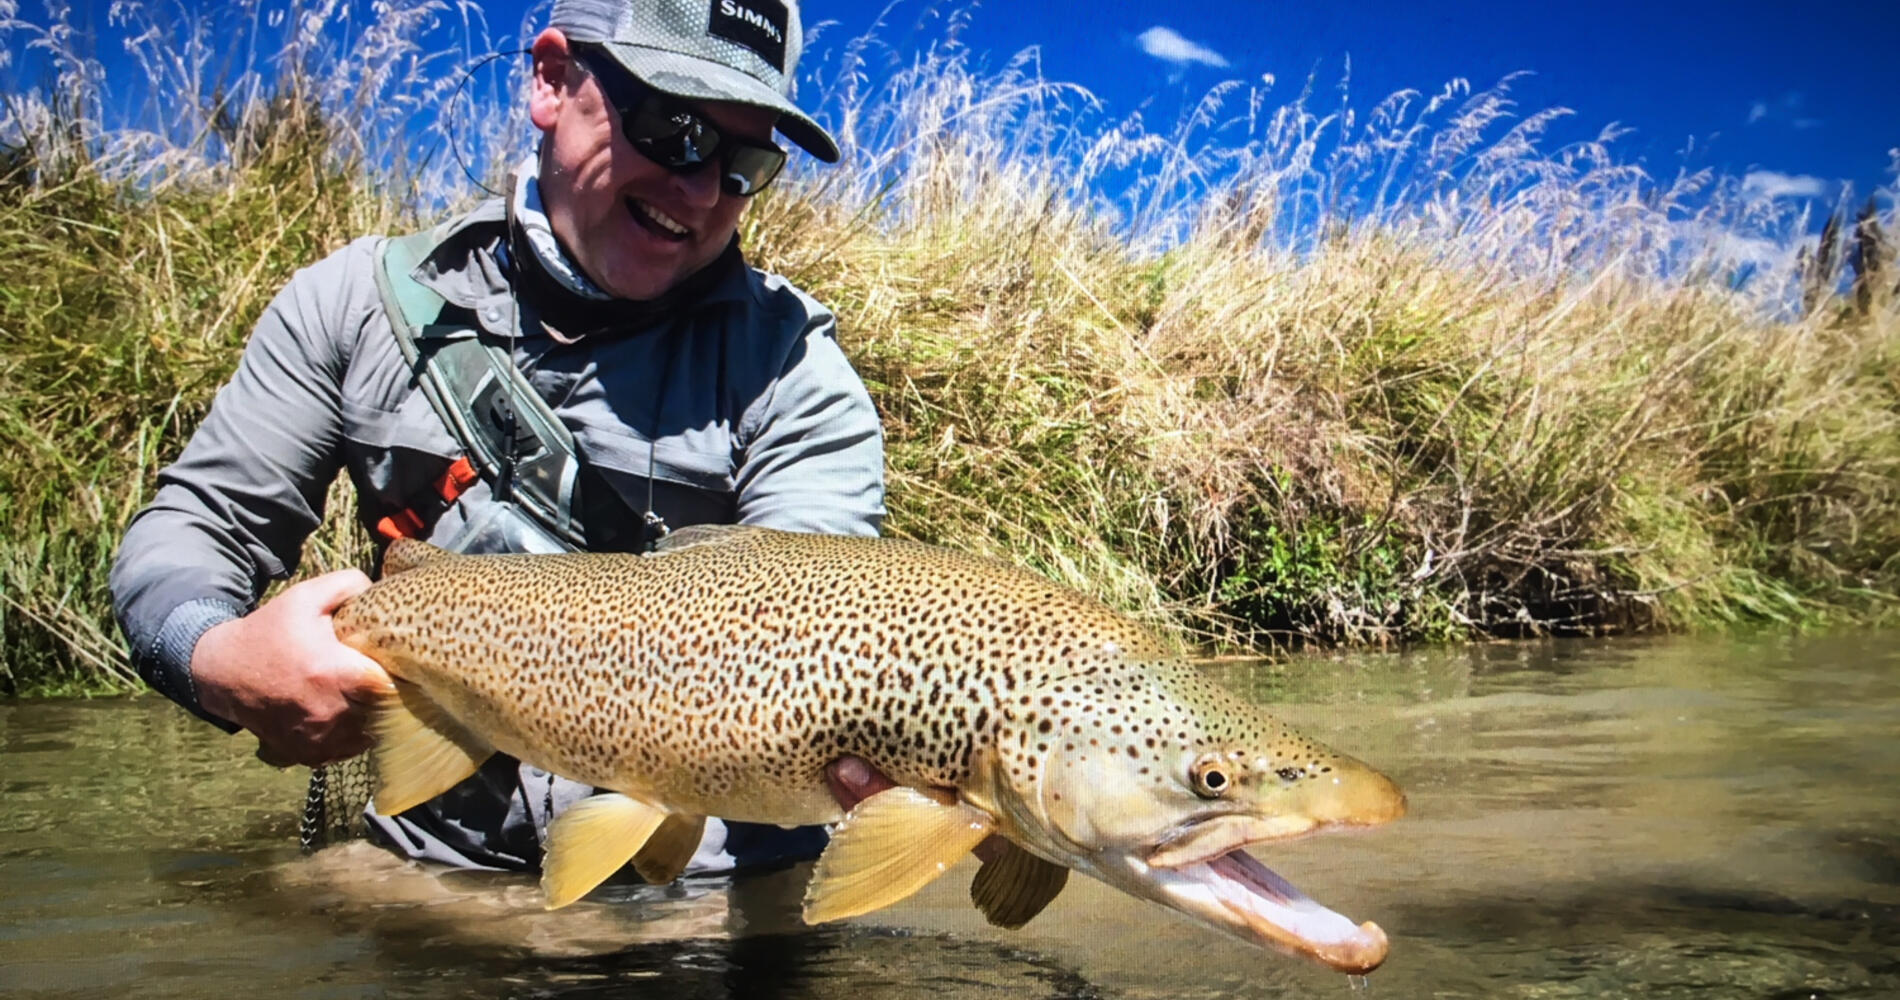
point(509, 437)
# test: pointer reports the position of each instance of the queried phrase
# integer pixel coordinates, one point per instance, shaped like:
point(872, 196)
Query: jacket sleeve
point(232, 513)
point(813, 447)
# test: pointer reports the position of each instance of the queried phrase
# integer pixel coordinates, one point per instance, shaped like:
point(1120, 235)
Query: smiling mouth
point(657, 222)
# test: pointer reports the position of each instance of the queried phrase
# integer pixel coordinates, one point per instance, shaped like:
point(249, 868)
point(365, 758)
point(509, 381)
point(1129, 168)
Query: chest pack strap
point(509, 435)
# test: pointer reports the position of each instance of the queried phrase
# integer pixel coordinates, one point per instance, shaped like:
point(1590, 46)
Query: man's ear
point(554, 73)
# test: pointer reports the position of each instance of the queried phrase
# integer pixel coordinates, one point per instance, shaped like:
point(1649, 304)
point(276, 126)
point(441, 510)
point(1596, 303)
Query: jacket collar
point(480, 263)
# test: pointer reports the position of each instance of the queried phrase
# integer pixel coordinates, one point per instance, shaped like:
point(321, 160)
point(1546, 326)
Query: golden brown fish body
point(721, 675)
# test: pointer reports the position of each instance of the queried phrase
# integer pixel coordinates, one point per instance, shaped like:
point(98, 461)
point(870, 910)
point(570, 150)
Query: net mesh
point(333, 803)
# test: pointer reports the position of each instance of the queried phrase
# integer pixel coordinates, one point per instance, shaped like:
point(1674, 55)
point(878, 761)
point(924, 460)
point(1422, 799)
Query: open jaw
point(1238, 894)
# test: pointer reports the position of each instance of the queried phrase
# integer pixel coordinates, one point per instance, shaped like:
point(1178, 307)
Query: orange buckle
point(457, 479)
point(401, 524)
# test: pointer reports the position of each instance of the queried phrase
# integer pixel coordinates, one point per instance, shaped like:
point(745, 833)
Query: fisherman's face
point(635, 228)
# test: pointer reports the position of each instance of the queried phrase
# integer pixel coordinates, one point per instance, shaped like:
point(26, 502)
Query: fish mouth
point(1274, 913)
point(1211, 877)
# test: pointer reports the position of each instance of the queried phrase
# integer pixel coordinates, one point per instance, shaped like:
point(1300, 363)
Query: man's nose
point(701, 187)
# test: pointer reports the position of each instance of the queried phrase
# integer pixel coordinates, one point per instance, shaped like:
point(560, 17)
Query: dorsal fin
point(695, 535)
point(406, 554)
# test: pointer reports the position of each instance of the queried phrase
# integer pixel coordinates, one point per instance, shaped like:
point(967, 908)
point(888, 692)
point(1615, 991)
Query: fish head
point(1158, 782)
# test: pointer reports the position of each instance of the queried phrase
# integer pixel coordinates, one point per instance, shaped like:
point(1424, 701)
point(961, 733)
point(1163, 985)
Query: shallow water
point(1666, 818)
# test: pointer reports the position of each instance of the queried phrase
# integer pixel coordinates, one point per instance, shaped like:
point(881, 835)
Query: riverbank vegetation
point(1270, 374)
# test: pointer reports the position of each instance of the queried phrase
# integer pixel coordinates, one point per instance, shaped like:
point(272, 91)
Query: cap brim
point(704, 80)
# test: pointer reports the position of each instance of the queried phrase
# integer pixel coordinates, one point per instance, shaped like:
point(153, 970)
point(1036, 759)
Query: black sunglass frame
point(693, 140)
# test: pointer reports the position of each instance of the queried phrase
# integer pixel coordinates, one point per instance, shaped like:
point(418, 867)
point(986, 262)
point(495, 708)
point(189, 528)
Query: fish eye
point(1209, 777)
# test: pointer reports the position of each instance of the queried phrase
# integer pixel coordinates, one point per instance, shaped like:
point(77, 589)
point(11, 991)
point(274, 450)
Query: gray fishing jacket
point(739, 394)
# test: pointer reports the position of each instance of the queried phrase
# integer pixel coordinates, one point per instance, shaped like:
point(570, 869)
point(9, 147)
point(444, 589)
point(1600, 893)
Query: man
point(694, 389)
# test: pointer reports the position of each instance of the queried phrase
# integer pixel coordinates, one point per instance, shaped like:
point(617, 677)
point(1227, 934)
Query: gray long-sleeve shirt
point(742, 397)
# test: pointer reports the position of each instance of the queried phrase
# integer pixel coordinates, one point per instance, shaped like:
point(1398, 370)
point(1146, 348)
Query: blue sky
point(1805, 101)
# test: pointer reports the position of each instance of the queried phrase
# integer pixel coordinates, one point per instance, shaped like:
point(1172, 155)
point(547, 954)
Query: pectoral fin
point(1016, 886)
point(670, 848)
point(893, 844)
point(420, 750)
point(590, 841)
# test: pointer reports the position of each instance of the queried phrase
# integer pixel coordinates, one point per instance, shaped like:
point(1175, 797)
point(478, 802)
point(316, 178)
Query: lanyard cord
point(653, 526)
point(504, 485)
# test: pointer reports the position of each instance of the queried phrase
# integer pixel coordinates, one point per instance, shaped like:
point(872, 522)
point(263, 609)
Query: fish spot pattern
point(732, 670)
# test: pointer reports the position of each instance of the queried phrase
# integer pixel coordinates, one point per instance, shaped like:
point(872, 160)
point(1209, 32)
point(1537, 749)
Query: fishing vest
point(509, 436)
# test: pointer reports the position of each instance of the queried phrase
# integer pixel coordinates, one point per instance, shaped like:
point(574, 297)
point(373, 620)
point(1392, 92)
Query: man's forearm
point(233, 511)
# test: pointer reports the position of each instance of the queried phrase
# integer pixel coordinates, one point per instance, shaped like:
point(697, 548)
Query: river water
point(1653, 818)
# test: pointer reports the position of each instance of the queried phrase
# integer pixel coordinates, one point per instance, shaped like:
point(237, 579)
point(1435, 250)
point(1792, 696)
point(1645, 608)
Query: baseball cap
point(712, 50)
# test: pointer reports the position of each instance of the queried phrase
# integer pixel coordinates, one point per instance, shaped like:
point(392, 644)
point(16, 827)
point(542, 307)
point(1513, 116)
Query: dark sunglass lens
point(750, 168)
point(671, 134)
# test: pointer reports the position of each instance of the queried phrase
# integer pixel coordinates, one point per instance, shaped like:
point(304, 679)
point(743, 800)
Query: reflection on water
point(1657, 818)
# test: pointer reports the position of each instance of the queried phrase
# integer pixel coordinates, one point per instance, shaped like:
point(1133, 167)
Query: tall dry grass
point(1320, 376)
point(1266, 373)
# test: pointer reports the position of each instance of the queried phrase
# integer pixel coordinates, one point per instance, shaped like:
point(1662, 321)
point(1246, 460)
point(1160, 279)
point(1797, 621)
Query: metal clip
point(656, 529)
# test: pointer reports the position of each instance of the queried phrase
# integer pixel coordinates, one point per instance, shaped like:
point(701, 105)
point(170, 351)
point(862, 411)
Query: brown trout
point(720, 675)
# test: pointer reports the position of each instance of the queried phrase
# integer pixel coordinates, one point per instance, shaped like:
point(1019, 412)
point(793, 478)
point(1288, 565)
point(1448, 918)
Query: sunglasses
point(673, 135)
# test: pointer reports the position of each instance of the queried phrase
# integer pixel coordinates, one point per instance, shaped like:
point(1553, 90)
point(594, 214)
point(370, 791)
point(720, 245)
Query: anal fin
point(1016, 886)
point(669, 849)
point(590, 841)
point(420, 750)
point(893, 844)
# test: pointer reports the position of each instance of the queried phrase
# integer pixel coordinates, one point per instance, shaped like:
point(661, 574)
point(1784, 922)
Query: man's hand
point(281, 673)
point(852, 780)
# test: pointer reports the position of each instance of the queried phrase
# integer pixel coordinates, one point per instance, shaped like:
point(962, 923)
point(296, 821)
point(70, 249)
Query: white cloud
point(1790, 109)
point(1167, 45)
point(1769, 184)
point(1733, 248)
